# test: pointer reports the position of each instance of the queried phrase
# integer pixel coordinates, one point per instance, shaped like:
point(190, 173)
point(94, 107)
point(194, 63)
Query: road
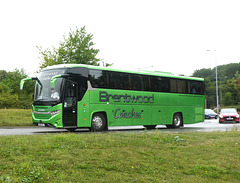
point(206, 126)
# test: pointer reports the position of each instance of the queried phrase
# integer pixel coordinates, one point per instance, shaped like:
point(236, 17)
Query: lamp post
point(215, 57)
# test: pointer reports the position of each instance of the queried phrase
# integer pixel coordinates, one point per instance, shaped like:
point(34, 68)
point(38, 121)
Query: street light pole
point(215, 57)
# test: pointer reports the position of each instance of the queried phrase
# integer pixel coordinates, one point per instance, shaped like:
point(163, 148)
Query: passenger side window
point(160, 84)
point(173, 85)
point(98, 78)
point(119, 80)
point(181, 86)
point(195, 87)
point(178, 86)
point(146, 83)
point(135, 82)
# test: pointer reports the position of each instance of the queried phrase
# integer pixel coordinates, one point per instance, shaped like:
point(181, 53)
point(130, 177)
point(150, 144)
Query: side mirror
point(22, 82)
point(27, 79)
point(54, 81)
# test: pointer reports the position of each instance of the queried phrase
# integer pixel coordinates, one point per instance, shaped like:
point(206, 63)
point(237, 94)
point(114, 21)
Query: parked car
point(228, 115)
point(209, 113)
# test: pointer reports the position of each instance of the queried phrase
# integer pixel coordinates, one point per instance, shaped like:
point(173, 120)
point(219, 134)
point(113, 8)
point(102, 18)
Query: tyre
point(177, 121)
point(99, 122)
point(150, 127)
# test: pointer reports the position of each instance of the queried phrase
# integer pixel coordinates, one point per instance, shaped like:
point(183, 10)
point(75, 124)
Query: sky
point(162, 35)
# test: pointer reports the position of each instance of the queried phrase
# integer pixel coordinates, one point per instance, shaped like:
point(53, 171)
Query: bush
point(8, 100)
point(25, 101)
point(10, 94)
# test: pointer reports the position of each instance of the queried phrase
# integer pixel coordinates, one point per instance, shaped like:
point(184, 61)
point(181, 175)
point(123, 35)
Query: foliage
point(10, 94)
point(77, 48)
point(228, 84)
point(228, 98)
point(121, 157)
point(8, 100)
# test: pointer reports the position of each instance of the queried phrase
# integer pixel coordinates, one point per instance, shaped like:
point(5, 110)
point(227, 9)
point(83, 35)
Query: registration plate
point(229, 118)
point(41, 124)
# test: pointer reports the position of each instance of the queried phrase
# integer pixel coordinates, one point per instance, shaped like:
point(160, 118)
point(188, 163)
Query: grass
point(121, 157)
point(117, 157)
point(15, 117)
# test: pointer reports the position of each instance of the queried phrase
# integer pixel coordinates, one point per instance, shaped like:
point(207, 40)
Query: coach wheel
point(177, 121)
point(150, 127)
point(99, 122)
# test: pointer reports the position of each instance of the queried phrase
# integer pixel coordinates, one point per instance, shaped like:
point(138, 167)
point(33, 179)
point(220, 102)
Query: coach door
point(70, 104)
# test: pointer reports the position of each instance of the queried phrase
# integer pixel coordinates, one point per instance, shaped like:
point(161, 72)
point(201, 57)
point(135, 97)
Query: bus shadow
point(123, 130)
point(62, 131)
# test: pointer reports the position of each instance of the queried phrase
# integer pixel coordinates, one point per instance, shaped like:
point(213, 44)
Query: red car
point(228, 115)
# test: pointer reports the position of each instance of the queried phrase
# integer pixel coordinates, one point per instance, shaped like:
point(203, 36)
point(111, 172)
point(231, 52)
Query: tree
point(228, 83)
point(228, 99)
point(3, 73)
point(203, 73)
point(10, 95)
point(77, 48)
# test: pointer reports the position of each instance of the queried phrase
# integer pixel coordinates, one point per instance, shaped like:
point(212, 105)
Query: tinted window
point(98, 78)
point(195, 87)
point(160, 84)
point(126, 81)
point(146, 83)
point(173, 85)
point(70, 94)
point(118, 80)
point(135, 82)
point(82, 85)
point(181, 86)
point(178, 86)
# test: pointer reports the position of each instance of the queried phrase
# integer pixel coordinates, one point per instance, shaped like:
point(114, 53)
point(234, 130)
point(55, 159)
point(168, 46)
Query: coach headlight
point(55, 112)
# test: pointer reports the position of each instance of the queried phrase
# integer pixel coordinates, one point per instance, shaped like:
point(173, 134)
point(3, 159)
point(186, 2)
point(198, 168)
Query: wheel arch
point(104, 113)
point(181, 114)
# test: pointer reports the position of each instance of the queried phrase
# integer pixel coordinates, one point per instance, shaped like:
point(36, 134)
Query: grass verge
point(15, 117)
point(121, 157)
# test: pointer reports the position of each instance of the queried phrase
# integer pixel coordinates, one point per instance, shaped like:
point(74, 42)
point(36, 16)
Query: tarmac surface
point(210, 125)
